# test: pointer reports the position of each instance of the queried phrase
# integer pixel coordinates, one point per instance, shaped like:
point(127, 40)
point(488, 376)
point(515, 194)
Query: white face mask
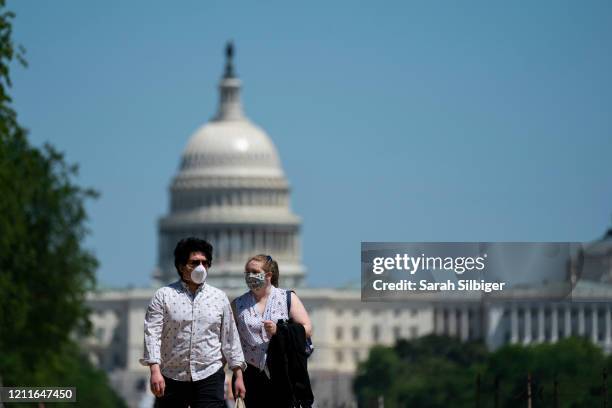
point(198, 275)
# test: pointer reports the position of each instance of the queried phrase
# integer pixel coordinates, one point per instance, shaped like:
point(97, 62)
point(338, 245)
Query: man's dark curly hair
point(186, 246)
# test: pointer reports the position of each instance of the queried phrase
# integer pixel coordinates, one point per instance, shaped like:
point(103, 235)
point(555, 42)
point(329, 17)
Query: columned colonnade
point(549, 322)
point(529, 322)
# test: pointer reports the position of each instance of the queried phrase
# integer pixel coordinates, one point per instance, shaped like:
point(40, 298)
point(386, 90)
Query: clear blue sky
point(402, 121)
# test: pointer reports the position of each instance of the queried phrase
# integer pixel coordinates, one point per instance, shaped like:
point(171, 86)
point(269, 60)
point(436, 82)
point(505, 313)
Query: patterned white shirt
point(253, 336)
point(190, 336)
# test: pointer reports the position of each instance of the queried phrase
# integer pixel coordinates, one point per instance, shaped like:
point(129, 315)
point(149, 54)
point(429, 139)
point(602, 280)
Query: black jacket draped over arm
point(286, 361)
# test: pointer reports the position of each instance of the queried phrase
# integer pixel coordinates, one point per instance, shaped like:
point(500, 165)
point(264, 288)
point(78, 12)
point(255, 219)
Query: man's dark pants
point(206, 393)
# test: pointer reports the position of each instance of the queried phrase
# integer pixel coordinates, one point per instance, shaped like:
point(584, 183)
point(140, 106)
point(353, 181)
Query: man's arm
point(231, 347)
point(157, 383)
point(153, 325)
point(239, 388)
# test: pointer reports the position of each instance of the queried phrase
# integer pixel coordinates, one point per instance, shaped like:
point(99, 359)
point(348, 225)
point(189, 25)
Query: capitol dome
point(231, 190)
point(231, 148)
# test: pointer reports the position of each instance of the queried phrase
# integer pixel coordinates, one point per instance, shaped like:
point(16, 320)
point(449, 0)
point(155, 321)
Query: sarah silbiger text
point(424, 285)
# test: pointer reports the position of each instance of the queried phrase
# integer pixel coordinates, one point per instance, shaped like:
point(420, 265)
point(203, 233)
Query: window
point(339, 333)
point(339, 356)
point(355, 333)
point(356, 356)
point(376, 333)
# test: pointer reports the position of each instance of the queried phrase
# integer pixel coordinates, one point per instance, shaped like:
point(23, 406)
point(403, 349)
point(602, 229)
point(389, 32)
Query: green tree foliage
point(575, 363)
point(45, 273)
point(405, 376)
point(441, 372)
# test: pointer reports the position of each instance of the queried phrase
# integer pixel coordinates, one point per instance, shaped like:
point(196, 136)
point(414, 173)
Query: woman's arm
point(299, 314)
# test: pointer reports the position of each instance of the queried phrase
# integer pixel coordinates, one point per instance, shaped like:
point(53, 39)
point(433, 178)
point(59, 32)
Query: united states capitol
point(231, 189)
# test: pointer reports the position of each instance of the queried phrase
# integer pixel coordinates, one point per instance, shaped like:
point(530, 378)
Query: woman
point(256, 313)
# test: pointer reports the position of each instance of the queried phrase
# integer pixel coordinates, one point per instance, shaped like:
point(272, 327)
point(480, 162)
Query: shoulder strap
point(289, 301)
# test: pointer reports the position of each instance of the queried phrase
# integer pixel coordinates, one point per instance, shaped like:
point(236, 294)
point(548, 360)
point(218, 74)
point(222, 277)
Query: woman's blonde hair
point(268, 265)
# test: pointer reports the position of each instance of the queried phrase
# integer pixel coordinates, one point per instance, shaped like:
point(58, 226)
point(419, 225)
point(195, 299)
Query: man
point(189, 334)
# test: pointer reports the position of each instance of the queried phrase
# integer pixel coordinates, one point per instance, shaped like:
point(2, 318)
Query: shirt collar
point(186, 287)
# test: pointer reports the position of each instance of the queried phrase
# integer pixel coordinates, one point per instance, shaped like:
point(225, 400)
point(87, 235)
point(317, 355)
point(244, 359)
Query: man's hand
point(158, 385)
point(239, 389)
point(269, 327)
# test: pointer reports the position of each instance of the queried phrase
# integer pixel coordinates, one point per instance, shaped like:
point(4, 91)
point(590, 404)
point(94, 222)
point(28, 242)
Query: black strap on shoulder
point(289, 301)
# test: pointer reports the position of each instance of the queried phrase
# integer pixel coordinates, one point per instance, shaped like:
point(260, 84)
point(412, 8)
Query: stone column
point(438, 322)
point(567, 326)
point(237, 244)
point(258, 240)
point(230, 245)
point(244, 245)
point(287, 250)
point(527, 318)
point(282, 243)
point(223, 246)
point(452, 322)
point(252, 233)
point(594, 324)
point(581, 320)
point(607, 334)
point(227, 252)
point(541, 323)
point(554, 324)
point(465, 324)
point(272, 242)
point(265, 241)
point(291, 248)
point(514, 329)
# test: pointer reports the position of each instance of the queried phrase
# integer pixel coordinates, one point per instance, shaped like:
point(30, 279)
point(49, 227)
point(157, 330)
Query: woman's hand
point(158, 385)
point(269, 327)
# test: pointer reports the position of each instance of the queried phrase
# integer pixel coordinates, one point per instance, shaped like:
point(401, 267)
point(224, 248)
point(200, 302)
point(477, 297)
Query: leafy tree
point(441, 372)
point(45, 273)
point(575, 363)
point(431, 371)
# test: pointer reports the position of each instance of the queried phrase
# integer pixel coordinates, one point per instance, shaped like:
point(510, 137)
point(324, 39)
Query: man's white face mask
point(198, 275)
